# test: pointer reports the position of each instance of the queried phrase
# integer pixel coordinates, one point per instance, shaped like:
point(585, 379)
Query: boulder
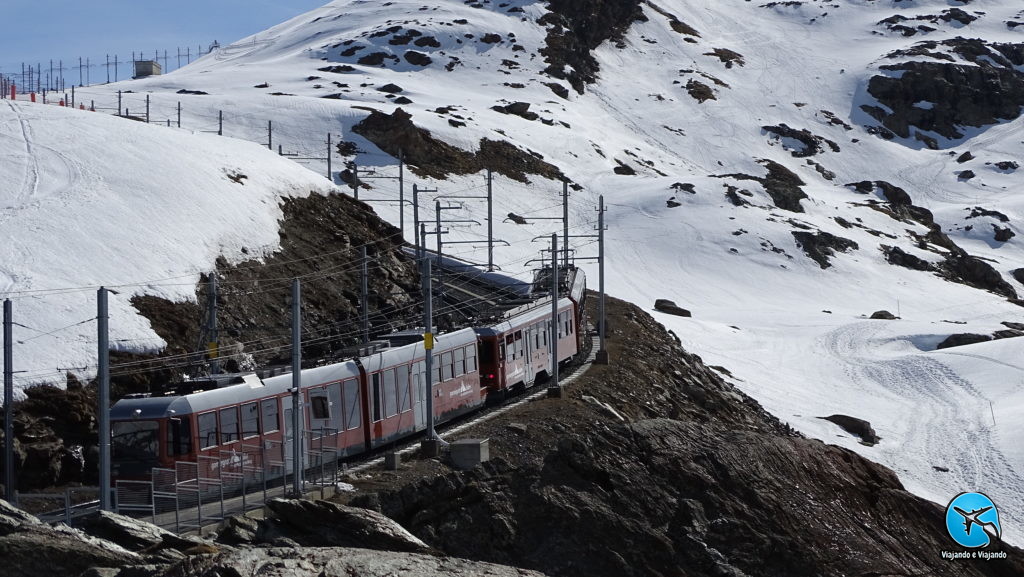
point(30, 548)
point(134, 534)
point(670, 307)
point(883, 315)
point(324, 524)
point(855, 426)
point(961, 339)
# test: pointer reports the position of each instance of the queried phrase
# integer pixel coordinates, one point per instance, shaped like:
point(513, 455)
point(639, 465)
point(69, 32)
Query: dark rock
point(1018, 275)
point(417, 58)
point(669, 307)
point(325, 524)
point(855, 426)
point(963, 95)
point(133, 534)
point(1007, 334)
point(516, 218)
point(576, 27)
point(390, 88)
point(1013, 325)
point(812, 143)
point(781, 184)
point(965, 157)
point(883, 315)
point(975, 272)
point(490, 38)
point(895, 255)
point(623, 169)
point(965, 174)
point(672, 204)
point(30, 548)
point(978, 211)
point(374, 59)
point(337, 69)
point(395, 133)
point(819, 246)
point(558, 89)
point(961, 339)
point(699, 91)
point(193, 92)
point(1002, 234)
point(402, 100)
point(728, 57)
point(1007, 165)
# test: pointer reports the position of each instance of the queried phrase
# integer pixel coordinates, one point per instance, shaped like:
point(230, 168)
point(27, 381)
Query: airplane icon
point(971, 519)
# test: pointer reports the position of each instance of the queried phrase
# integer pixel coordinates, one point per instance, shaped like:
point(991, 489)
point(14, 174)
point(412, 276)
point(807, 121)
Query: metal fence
point(194, 494)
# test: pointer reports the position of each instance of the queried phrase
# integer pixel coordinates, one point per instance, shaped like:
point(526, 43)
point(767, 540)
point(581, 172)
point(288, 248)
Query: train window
point(269, 410)
point(545, 329)
point(207, 430)
point(570, 325)
point(353, 416)
point(179, 436)
point(319, 406)
point(510, 348)
point(471, 359)
point(135, 440)
point(250, 420)
point(535, 329)
point(436, 360)
point(519, 345)
point(404, 401)
point(460, 361)
point(390, 394)
point(376, 397)
point(446, 366)
point(228, 425)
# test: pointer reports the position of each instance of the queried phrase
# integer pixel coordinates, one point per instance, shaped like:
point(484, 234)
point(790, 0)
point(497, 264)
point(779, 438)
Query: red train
point(357, 404)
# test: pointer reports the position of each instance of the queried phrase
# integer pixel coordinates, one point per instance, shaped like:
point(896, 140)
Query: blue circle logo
point(972, 520)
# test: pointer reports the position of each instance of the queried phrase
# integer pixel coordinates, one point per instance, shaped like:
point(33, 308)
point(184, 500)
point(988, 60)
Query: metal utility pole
point(416, 219)
point(297, 408)
point(270, 134)
point(602, 353)
point(103, 410)
point(220, 123)
point(554, 389)
point(179, 115)
point(401, 194)
point(147, 109)
point(364, 308)
point(8, 403)
point(565, 221)
point(329, 177)
point(490, 221)
point(212, 346)
point(428, 346)
point(355, 180)
point(440, 265)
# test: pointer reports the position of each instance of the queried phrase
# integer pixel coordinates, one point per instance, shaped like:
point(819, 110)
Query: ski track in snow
point(49, 172)
point(944, 421)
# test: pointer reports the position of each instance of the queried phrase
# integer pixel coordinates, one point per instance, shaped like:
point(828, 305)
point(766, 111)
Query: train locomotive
point(356, 405)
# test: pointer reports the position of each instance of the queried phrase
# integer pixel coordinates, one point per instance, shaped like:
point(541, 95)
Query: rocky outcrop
point(977, 273)
point(985, 92)
point(670, 307)
point(324, 524)
point(961, 339)
point(327, 562)
point(821, 245)
point(810, 143)
point(781, 184)
point(855, 426)
point(396, 134)
point(30, 548)
point(576, 27)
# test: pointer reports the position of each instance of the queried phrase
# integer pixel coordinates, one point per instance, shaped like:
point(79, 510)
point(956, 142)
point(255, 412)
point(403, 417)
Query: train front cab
point(148, 433)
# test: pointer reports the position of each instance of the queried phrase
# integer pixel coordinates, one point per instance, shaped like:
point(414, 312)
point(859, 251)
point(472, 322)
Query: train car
point(351, 407)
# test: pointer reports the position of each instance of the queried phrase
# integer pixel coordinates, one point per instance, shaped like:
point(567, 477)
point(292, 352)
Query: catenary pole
point(554, 390)
point(602, 353)
point(401, 194)
point(297, 408)
point(8, 403)
point(490, 221)
point(428, 344)
point(416, 219)
point(103, 383)
point(213, 347)
point(364, 295)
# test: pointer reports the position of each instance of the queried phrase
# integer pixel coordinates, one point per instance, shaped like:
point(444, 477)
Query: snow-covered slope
point(93, 200)
point(682, 101)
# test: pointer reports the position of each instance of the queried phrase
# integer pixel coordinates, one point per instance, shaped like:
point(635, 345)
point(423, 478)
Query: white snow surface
point(792, 335)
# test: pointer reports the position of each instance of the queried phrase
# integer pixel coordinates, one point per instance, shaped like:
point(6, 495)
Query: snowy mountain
point(782, 170)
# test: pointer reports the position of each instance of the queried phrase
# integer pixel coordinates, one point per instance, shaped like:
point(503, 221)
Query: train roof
point(538, 310)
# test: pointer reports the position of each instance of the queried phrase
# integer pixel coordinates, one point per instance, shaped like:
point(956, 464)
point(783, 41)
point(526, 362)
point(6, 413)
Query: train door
point(319, 412)
point(418, 380)
point(528, 350)
point(289, 434)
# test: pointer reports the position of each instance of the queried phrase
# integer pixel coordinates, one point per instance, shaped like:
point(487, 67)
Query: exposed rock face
point(977, 273)
point(30, 548)
point(811, 144)
point(575, 27)
point(328, 562)
point(324, 524)
point(960, 94)
point(855, 426)
point(960, 339)
point(670, 307)
point(133, 534)
point(781, 184)
point(395, 133)
point(820, 245)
